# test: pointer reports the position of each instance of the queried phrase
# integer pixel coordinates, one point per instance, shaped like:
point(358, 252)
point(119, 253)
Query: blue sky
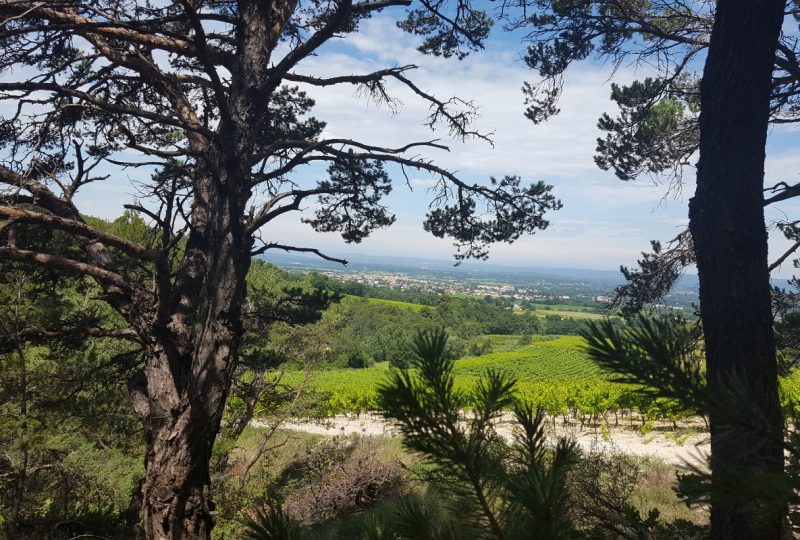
point(604, 223)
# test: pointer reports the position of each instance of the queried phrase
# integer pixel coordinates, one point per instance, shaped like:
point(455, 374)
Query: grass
point(655, 488)
point(567, 311)
point(569, 314)
point(561, 307)
point(393, 303)
point(278, 470)
point(502, 342)
point(540, 310)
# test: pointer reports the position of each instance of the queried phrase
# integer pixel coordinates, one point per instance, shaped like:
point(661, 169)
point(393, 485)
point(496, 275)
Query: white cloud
point(782, 166)
point(561, 148)
point(560, 151)
point(605, 222)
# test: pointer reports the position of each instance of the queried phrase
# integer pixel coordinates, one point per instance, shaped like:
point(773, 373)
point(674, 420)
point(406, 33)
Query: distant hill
point(600, 281)
point(378, 263)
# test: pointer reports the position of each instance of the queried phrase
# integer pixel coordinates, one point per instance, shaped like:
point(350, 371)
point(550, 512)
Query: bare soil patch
point(671, 447)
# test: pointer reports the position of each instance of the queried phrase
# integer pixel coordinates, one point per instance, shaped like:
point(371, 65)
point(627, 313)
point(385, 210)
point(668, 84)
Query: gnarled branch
point(68, 265)
point(288, 248)
point(81, 229)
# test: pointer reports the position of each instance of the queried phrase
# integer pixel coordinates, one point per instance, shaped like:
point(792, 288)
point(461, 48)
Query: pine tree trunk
point(190, 357)
point(730, 238)
point(186, 399)
point(177, 501)
point(194, 344)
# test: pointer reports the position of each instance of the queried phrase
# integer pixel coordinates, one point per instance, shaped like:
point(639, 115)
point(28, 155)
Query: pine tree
point(194, 100)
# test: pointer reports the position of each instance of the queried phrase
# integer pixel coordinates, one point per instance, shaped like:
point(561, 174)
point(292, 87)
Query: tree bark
point(730, 237)
point(177, 502)
point(186, 398)
point(190, 357)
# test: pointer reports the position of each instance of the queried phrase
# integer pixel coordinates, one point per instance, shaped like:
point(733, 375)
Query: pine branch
point(68, 265)
point(80, 229)
point(64, 18)
point(287, 248)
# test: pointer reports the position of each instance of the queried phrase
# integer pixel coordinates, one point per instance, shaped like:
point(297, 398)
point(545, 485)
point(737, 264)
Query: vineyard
point(554, 374)
point(396, 303)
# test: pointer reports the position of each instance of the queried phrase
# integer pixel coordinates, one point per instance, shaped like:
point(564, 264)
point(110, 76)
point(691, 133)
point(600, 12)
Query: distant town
point(584, 288)
point(405, 281)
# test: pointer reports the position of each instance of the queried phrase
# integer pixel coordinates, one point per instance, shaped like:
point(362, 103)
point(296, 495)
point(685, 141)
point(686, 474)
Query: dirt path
point(655, 444)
